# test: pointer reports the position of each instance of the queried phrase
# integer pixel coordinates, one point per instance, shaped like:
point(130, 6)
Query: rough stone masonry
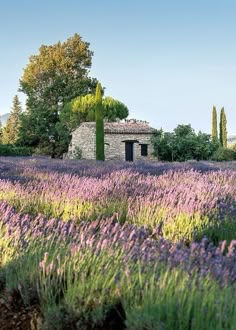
point(129, 140)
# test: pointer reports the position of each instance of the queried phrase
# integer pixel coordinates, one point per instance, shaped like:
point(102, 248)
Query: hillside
point(231, 139)
point(4, 118)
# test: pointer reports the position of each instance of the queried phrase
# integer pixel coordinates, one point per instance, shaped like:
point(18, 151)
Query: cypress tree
point(214, 133)
point(223, 128)
point(0, 130)
point(99, 124)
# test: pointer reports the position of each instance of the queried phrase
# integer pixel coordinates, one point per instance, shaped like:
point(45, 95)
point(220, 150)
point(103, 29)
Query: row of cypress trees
point(222, 127)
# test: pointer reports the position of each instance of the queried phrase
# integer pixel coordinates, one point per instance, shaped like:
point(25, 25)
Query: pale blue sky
point(169, 61)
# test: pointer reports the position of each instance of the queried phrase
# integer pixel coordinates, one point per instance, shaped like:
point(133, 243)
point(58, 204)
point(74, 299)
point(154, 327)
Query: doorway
point(129, 151)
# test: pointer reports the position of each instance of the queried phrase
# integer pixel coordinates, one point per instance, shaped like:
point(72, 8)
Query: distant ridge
point(4, 118)
point(231, 138)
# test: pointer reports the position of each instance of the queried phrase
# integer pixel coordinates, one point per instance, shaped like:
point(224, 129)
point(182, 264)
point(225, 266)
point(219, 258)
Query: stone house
point(129, 140)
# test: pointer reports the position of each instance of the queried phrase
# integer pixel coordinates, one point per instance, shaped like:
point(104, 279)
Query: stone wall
point(85, 139)
point(115, 147)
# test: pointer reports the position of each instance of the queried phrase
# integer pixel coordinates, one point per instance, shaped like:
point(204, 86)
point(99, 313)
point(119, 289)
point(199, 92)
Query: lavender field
point(120, 245)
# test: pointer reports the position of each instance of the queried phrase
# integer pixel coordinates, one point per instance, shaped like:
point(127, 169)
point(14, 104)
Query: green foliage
point(0, 131)
point(80, 287)
point(222, 154)
point(11, 150)
point(77, 153)
point(82, 109)
point(10, 132)
point(223, 128)
point(163, 144)
point(183, 144)
point(99, 124)
point(59, 72)
point(85, 107)
point(214, 132)
point(55, 76)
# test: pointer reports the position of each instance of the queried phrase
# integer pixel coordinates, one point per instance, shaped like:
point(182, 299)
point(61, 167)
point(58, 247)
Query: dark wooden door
point(129, 151)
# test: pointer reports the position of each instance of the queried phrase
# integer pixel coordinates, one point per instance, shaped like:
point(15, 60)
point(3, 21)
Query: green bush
point(222, 154)
point(11, 150)
point(183, 144)
point(77, 153)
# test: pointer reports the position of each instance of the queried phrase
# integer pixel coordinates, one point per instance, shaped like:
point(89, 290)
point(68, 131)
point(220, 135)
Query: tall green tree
point(56, 75)
point(10, 132)
point(223, 128)
point(0, 131)
point(214, 132)
point(99, 124)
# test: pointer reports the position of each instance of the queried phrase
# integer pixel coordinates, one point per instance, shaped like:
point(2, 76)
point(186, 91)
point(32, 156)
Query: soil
point(15, 316)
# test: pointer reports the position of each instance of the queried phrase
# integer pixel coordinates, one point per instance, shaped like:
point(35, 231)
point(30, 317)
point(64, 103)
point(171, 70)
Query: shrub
point(183, 144)
point(11, 150)
point(77, 153)
point(222, 154)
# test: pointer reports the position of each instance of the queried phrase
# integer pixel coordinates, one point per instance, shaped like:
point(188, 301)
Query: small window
point(144, 149)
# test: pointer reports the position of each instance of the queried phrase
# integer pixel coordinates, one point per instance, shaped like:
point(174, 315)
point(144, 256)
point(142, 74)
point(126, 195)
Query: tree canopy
point(183, 144)
point(85, 107)
point(59, 72)
point(56, 75)
point(82, 109)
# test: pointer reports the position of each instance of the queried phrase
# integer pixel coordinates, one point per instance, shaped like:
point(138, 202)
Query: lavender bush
point(156, 241)
point(185, 201)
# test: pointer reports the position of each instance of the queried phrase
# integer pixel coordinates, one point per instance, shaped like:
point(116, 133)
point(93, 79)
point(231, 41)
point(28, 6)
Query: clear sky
point(169, 61)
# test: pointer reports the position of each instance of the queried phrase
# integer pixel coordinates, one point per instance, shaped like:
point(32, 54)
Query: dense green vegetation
point(61, 95)
point(99, 124)
point(183, 144)
point(214, 131)
point(13, 150)
point(223, 128)
point(10, 131)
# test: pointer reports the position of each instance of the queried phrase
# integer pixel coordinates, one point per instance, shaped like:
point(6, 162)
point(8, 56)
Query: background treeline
point(60, 95)
point(184, 143)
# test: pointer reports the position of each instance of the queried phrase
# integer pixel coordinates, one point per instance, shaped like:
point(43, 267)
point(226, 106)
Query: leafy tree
point(164, 145)
point(183, 144)
point(223, 128)
point(56, 75)
point(214, 133)
point(205, 146)
point(59, 72)
point(82, 109)
point(224, 154)
point(85, 107)
point(11, 130)
point(99, 124)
